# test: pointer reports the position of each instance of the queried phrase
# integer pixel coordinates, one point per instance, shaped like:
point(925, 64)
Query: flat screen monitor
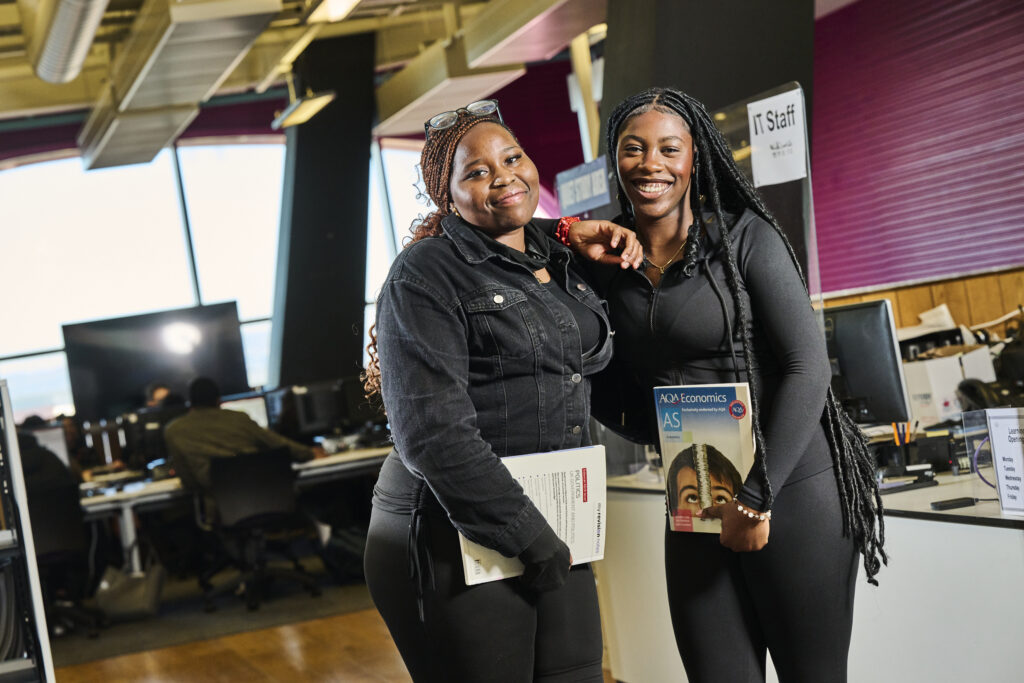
point(53, 440)
point(867, 371)
point(111, 361)
point(144, 433)
point(320, 408)
point(252, 405)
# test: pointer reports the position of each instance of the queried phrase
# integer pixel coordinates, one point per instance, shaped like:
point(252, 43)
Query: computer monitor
point(253, 405)
point(144, 433)
point(111, 361)
point(53, 440)
point(867, 371)
point(319, 408)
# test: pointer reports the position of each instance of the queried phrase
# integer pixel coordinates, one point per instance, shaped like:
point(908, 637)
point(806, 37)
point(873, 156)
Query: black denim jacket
point(479, 361)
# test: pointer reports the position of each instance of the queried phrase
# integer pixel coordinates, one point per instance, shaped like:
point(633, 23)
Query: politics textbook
point(569, 489)
point(707, 449)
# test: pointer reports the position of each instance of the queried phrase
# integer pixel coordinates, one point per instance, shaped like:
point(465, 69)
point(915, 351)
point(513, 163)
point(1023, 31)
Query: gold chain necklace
point(661, 269)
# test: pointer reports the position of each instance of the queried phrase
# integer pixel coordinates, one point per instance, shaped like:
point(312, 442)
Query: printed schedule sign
point(1006, 435)
point(778, 139)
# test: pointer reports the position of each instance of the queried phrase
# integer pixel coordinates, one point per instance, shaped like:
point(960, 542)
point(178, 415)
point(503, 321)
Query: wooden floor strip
point(354, 648)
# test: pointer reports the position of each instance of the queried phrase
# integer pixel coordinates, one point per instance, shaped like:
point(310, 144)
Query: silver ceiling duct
point(59, 34)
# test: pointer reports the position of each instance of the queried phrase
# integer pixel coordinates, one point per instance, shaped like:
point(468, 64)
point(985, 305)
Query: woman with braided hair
point(720, 298)
point(486, 336)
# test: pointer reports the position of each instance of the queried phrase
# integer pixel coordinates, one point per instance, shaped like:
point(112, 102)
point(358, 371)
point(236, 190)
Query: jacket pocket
point(503, 324)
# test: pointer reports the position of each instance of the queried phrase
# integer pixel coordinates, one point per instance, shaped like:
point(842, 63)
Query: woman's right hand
point(606, 242)
point(547, 563)
point(740, 533)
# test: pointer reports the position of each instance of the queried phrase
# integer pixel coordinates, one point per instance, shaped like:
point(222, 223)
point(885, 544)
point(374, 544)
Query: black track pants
point(794, 597)
point(494, 632)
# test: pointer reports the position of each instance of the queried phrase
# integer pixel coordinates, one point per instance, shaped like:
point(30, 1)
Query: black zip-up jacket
point(478, 361)
point(685, 331)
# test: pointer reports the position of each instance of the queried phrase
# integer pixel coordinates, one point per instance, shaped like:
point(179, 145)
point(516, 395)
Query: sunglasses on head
point(447, 119)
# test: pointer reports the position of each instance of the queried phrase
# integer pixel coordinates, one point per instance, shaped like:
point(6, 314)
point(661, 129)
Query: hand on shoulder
point(606, 242)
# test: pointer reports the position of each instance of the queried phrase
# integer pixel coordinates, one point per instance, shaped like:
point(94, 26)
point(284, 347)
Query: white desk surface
point(915, 503)
point(146, 491)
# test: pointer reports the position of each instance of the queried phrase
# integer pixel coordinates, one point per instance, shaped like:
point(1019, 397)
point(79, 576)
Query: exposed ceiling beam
point(400, 37)
point(438, 79)
point(510, 31)
point(23, 94)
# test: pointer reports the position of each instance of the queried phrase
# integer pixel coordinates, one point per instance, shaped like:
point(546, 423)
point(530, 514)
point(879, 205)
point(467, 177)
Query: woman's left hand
point(739, 532)
point(606, 242)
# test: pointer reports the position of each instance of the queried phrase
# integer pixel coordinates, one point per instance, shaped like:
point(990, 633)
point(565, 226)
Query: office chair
point(58, 530)
point(254, 494)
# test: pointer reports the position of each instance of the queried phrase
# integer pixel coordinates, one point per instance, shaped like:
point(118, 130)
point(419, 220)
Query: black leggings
point(794, 597)
point(493, 632)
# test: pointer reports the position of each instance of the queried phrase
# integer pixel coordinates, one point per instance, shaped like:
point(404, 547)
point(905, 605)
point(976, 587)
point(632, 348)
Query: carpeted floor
point(182, 618)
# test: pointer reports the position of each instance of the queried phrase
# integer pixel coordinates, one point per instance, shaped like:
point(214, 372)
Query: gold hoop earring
point(452, 209)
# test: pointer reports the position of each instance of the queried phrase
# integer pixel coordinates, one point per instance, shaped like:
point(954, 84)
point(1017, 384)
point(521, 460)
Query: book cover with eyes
point(707, 448)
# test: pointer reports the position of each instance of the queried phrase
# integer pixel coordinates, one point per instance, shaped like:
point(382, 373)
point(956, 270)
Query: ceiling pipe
point(59, 34)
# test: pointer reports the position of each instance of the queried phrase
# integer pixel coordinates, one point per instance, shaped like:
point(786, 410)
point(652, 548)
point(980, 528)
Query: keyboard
point(877, 431)
point(910, 486)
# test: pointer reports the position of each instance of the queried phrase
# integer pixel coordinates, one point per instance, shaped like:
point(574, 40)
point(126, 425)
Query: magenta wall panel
point(918, 140)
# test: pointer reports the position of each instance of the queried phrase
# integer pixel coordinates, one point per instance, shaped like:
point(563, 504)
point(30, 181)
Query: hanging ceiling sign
point(583, 187)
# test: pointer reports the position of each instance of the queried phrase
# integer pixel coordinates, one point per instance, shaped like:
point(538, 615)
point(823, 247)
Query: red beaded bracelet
point(562, 232)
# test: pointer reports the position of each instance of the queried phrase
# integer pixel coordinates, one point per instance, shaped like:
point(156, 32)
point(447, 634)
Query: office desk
point(148, 496)
point(947, 609)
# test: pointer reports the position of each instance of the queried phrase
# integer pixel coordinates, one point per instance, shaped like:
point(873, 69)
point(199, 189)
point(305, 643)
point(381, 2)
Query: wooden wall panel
point(986, 300)
point(953, 293)
point(971, 300)
point(912, 301)
point(1012, 285)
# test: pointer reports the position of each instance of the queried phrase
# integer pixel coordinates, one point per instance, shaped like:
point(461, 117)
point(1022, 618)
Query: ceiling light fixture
point(332, 10)
point(301, 109)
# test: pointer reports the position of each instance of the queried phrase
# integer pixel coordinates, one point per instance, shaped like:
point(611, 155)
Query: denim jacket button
point(576, 378)
point(582, 287)
point(576, 429)
point(498, 298)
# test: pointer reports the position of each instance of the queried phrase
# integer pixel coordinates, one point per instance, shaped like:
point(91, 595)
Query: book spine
point(703, 475)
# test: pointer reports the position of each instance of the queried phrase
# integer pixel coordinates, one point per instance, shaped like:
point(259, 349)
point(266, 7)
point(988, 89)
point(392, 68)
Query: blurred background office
point(255, 161)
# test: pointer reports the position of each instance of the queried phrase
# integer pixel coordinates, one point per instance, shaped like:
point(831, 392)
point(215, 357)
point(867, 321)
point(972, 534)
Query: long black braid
point(715, 173)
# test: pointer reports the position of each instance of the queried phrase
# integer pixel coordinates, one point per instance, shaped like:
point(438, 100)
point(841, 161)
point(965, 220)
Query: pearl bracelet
point(752, 514)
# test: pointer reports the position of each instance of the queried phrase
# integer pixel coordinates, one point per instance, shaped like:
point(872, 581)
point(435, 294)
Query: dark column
point(321, 269)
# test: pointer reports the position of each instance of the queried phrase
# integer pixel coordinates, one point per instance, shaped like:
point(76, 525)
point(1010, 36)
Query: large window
point(83, 245)
point(39, 385)
point(233, 194)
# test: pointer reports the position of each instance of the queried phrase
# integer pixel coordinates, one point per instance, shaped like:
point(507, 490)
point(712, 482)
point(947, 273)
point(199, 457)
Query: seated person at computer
point(207, 431)
point(44, 472)
point(47, 479)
